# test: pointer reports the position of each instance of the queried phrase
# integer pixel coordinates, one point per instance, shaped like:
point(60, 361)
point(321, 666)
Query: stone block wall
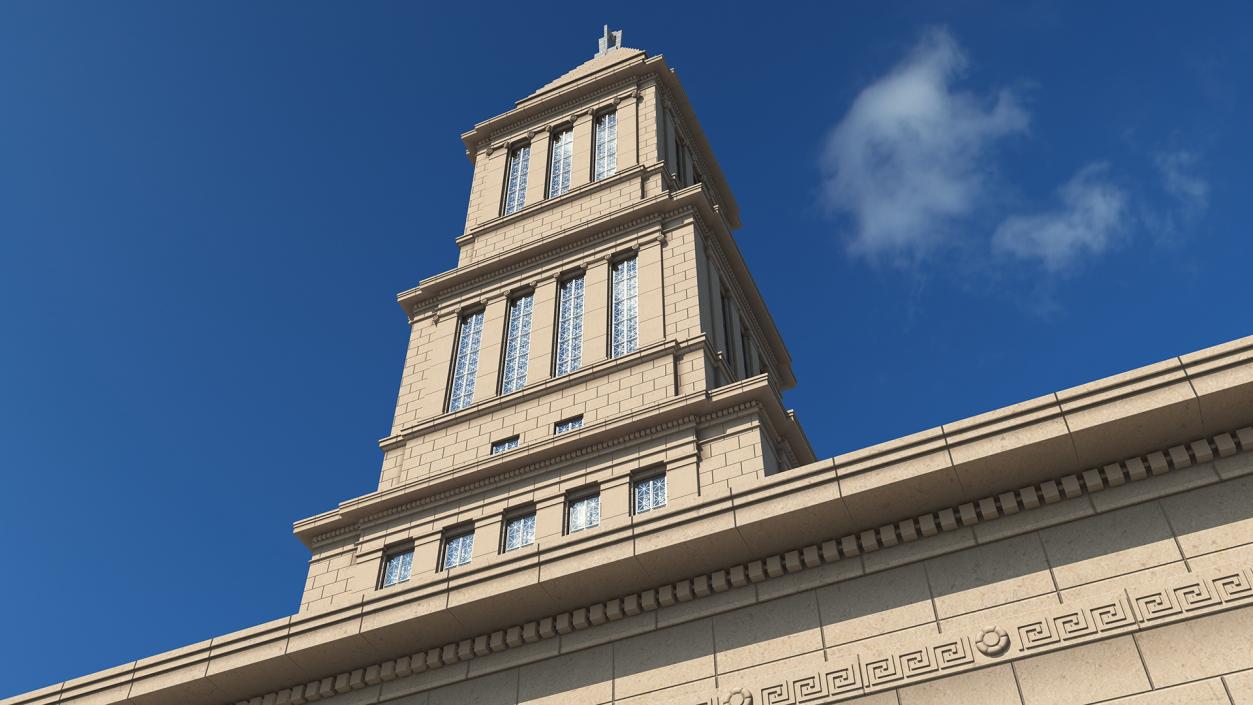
point(343, 570)
point(1138, 594)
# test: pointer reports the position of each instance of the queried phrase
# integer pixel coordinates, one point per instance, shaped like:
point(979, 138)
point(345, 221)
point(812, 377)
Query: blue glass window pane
point(519, 532)
point(584, 513)
point(467, 362)
point(457, 550)
point(515, 190)
point(625, 328)
point(398, 568)
point(561, 159)
point(517, 344)
point(606, 156)
point(568, 425)
point(507, 444)
point(650, 494)
point(570, 326)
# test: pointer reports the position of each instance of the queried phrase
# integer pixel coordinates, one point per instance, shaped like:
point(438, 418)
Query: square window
point(650, 494)
point(397, 568)
point(458, 549)
point(569, 424)
point(584, 513)
point(520, 531)
point(507, 444)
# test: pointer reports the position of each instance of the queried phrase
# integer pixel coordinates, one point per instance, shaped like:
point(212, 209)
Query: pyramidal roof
point(611, 54)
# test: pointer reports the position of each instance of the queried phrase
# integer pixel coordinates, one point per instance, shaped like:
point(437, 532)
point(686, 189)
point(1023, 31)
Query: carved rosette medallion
point(993, 641)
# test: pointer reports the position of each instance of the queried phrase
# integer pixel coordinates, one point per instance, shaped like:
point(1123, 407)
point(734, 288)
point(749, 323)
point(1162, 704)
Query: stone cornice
point(730, 259)
point(453, 282)
point(436, 291)
point(592, 370)
point(598, 437)
point(583, 190)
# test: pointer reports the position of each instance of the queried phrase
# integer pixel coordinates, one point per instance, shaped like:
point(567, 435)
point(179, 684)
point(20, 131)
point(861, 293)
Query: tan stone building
point(592, 492)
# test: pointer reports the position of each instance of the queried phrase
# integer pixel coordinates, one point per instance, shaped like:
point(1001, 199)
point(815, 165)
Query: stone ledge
point(597, 436)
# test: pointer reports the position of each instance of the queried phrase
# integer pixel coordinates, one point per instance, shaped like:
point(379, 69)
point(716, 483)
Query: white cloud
point(1092, 214)
point(1180, 180)
point(910, 157)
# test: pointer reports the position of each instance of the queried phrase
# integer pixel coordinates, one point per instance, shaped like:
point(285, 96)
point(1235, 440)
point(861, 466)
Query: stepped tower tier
point(600, 349)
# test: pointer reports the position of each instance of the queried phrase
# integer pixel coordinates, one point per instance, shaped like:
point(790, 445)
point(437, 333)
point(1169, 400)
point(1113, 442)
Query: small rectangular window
point(507, 444)
point(625, 329)
point(584, 513)
point(517, 344)
point(560, 161)
point(569, 326)
point(650, 494)
point(397, 567)
point(520, 531)
point(458, 549)
point(466, 366)
point(606, 153)
point(569, 424)
point(515, 187)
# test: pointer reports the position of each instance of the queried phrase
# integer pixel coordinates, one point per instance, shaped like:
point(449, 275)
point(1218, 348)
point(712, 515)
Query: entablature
point(433, 293)
point(593, 438)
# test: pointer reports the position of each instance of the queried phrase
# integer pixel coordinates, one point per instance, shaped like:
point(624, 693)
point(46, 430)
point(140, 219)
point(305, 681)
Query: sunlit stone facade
point(592, 493)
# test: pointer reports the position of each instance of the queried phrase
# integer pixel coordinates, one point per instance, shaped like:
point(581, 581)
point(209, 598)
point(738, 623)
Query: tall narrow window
point(650, 494)
point(517, 344)
point(727, 332)
point(560, 160)
point(680, 158)
point(515, 189)
point(458, 549)
point(746, 349)
point(467, 363)
point(398, 568)
point(584, 513)
point(569, 326)
point(606, 146)
point(520, 531)
point(625, 329)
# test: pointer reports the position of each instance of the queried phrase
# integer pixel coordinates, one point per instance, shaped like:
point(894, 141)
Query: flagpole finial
point(609, 41)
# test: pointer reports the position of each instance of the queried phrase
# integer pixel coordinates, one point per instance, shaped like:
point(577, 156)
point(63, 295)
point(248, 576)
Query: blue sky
point(206, 209)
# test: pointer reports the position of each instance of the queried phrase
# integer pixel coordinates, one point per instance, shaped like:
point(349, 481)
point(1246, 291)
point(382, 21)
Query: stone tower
point(598, 363)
